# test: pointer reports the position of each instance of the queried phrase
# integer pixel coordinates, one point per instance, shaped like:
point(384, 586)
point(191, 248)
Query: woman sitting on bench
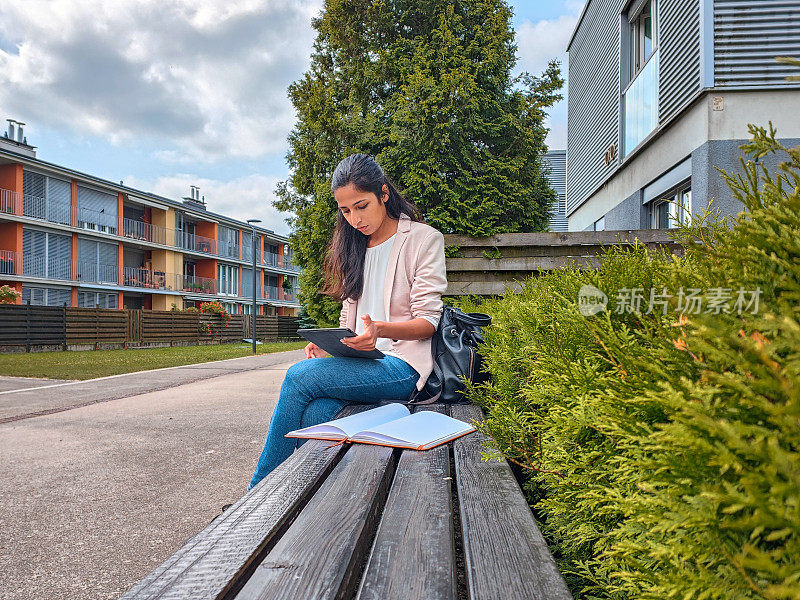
point(388, 269)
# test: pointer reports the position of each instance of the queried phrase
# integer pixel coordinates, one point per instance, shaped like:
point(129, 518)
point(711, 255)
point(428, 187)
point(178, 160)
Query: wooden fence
point(494, 265)
point(55, 326)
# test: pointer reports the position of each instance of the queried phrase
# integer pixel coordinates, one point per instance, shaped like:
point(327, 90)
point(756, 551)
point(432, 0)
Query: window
point(600, 224)
point(97, 300)
point(640, 96)
point(46, 198)
point(672, 208)
point(228, 280)
point(97, 210)
point(46, 255)
point(45, 296)
point(228, 242)
point(231, 307)
point(97, 261)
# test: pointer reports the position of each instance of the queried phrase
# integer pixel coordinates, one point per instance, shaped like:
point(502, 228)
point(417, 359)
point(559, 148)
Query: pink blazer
point(415, 281)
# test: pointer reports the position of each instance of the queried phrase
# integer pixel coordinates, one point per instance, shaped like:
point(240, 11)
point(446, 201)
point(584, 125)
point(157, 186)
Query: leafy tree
point(426, 87)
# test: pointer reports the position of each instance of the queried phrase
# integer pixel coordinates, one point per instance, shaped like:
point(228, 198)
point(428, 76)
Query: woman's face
point(361, 209)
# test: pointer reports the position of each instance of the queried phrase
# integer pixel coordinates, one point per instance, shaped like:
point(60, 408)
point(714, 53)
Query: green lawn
point(99, 363)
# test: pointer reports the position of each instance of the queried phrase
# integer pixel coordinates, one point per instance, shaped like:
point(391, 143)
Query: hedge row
point(660, 449)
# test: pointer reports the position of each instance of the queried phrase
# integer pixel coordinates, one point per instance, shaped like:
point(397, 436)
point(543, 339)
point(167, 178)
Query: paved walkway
point(40, 399)
point(92, 498)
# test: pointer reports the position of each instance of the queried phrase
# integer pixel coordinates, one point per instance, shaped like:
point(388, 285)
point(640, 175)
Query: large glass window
point(228, 280)
point(45, 296)
point(640, 96)
point(672, 209)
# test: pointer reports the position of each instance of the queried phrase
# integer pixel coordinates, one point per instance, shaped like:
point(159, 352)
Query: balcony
point(271, 259)
point(141, 277)
point(195, 243)
point(640, 100)
point(146, 232)
point(228, 250)
point(200, 285)
point(93, 272)
point(53, 268)
point(8, 263)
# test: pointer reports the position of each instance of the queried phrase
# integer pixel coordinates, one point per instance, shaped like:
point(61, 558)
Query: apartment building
point(71, 238)
point(660, 95)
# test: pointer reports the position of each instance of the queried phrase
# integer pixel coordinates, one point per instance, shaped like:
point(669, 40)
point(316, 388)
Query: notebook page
point(418, 429)
point(370, 418)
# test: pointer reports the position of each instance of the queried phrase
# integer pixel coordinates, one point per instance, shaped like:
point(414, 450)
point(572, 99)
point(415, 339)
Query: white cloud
point(245, 198)
point(209, 77)
point(540, 42)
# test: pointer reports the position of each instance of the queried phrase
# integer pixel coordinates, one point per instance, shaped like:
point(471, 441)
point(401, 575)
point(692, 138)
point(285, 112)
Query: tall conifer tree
point(426, 87)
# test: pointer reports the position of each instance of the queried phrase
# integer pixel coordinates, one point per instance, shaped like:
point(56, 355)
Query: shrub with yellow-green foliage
point(661, 450)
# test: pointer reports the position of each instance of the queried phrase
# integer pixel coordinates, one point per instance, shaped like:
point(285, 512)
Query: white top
point(371, 301)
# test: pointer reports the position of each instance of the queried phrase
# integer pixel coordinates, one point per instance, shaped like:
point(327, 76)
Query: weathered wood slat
point(561, 238)
point(321, 553)
point(522, 263)
point(216, 560)
point(505, 553)
point(413, 556)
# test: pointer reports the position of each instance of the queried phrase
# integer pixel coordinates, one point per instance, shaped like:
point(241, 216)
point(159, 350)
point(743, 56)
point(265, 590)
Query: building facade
point(660, 96)
point(556, 162)
point(71, 238)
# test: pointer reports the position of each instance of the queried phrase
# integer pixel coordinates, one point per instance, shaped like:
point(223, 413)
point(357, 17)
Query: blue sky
point(163, 94)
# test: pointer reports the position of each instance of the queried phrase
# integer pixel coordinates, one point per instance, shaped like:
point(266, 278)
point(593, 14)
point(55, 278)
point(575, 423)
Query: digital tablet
point(330, 341)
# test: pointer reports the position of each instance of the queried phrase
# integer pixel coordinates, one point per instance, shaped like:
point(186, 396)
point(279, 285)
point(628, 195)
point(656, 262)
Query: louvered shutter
point(87, 260)
point(33, 195)
point(247, 246)
point(34, 253)
point(97, 210)
point(108, 254)
point(58, 256)
point(247, 282)
point(58, 201)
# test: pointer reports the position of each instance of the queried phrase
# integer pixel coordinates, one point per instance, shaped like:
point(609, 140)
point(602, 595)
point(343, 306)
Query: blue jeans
point(315, 389)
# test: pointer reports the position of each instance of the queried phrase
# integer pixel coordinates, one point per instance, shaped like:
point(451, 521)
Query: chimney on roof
point(193, 199)
point(15, 141)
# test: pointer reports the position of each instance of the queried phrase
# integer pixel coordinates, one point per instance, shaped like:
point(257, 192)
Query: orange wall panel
point(207, 229)
point(73, 300)
point(75, 258)
point(206, 267)
point(11, 179)
point(73, 201)
point(120, 199)
point(11, 237)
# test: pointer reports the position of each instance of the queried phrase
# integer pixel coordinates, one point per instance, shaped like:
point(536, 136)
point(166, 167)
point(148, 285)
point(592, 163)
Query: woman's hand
point(367, 340)
point(314, 351)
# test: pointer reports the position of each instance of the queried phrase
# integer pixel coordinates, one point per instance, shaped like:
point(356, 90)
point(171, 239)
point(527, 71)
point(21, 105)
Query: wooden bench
point(370, 522)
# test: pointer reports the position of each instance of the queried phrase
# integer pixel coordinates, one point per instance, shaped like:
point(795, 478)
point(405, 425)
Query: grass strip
point(101, 363)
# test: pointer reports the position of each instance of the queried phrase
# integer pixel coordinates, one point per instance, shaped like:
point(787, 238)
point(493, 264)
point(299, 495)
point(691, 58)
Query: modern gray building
point(556, 162)
point(660, 93)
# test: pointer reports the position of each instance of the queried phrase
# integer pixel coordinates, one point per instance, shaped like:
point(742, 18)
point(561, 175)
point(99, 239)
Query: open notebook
point(390, 425)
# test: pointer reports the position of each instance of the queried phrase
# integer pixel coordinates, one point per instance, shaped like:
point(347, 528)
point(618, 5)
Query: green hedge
point(660, 451)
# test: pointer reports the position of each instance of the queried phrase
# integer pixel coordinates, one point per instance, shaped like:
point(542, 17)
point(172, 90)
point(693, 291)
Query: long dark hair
point(344, 262)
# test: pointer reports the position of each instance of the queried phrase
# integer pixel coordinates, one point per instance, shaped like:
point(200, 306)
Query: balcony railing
point(139, 230)
point(141, 277)
point(228, 249)
point(270, 259)
point(8, 263)
point(200, 285)
point(195, 243)
point(641, 104)
point(93, 272)
point(53, 268)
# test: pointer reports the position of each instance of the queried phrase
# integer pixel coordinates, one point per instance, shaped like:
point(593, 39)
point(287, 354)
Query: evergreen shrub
point(660, 449)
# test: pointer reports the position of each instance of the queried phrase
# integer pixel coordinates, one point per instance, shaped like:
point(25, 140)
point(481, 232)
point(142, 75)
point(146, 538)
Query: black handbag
point(455, 357)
